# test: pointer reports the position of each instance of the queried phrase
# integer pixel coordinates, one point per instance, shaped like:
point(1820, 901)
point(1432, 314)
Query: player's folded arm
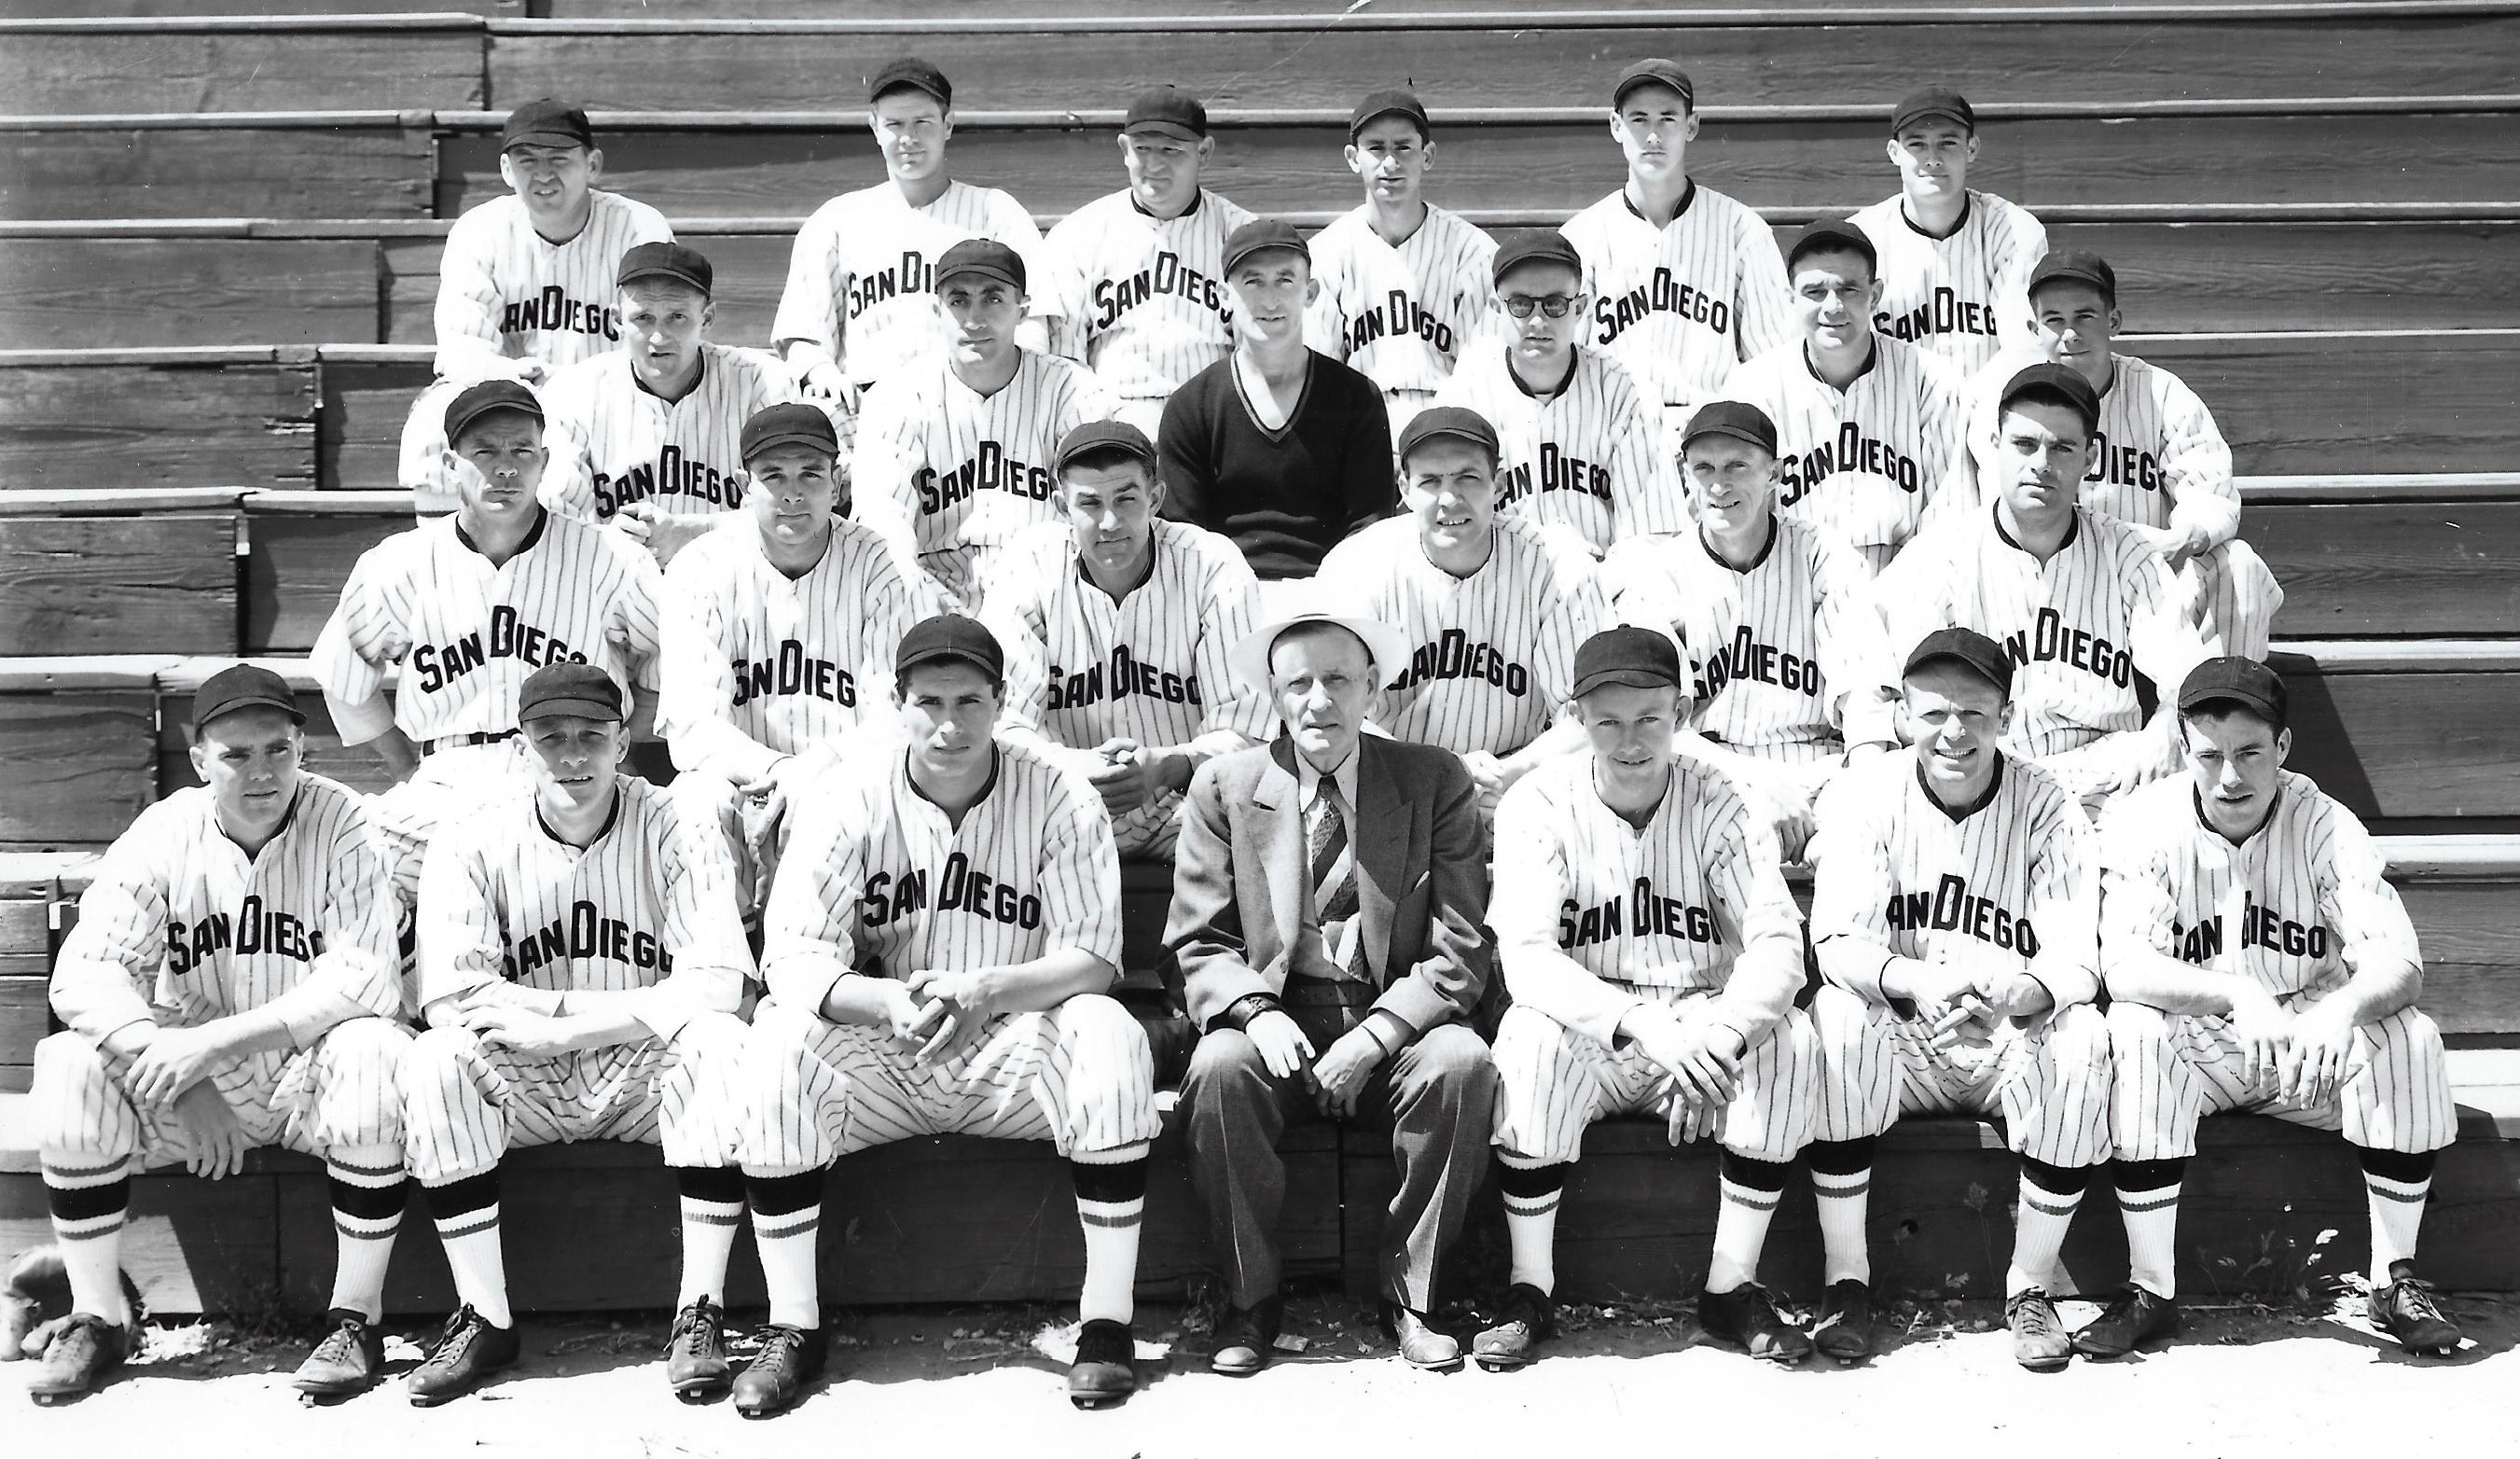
point(1530, 890)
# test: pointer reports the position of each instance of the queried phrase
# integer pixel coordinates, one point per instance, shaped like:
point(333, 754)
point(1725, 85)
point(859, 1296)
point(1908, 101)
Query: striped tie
point(1334, 883)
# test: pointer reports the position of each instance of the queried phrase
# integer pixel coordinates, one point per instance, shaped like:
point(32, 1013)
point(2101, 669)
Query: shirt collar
point(2073, 529)
point(997, 762)
point(1308, 779)
point(2196, 804)
point(609, 817)
point(1195, 201)
point(1574, 360)
point(533, 534)
point(1969, 200)
point(1767, 549)
point(1687, 196)
point(1085, 575)
point(1959, 813)
point(696, 381)
point(1872, 358)
point(287, 818)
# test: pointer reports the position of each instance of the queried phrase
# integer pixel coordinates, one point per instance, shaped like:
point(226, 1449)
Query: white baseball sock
point(2040, 1218)
point(1533, 1189)
point(2396, 1216)
point(1844, 1201)
point(1742, 1218)
point(90, 1200)
point(368, 1192)
point(1111, 1207)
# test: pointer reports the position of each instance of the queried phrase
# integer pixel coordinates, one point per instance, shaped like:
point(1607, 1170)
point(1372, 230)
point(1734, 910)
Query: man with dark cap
point(1955, 260)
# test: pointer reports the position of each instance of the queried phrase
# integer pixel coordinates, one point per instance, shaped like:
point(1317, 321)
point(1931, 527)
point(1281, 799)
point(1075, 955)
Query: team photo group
point(1477, 628)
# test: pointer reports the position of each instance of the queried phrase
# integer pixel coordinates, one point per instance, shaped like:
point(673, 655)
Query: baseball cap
point(1104, 435)
point(1638, 658)
point(666, 260)
point(985, 257)
point(950, 636)
point(547, 122)
point(1739, 420)
point(2051, 379)
point(1655, 71)
point(792, 425)
point(579, 689)
point(1441, 421)
point(1932, 102)
point(1535, 246)
point(2243, 681)
point(1168, 110)
point(1396, 101)
point(1833, 235)
point(476, 401)
point(2076, 265)
point(1969, 648)
point(1385, 645)
point(1259, 236)
point(913, 72)
point(244, 686)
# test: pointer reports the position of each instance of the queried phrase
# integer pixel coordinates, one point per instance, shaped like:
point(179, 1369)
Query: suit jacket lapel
point(1381, 835)
point(1279, 795)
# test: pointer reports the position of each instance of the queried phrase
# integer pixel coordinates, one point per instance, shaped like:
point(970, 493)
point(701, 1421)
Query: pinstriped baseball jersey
point(862, 279)
point(648, 906)
point(1681, 305)
point(1491, 655)
point(181, 926)
point(1588, 456)
point(1965, 296)
point(615, 442)
point(2160, 449)
point(758, 665)
point(505, 291)
point(2077, 627)
point(879, 880)
point(1403, 314)
point(2010, 880)
point(1867, 461)
point(1141, 300)
point(467, 633)
point(2297, 907)
point(1780, 653)
point(966, 470)
point(1151, 667)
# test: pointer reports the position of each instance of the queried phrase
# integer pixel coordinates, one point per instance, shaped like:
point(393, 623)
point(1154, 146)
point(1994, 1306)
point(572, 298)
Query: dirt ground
point(2243, 1380)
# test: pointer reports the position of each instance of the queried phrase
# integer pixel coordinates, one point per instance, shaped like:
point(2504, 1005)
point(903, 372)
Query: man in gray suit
point(1327, 896)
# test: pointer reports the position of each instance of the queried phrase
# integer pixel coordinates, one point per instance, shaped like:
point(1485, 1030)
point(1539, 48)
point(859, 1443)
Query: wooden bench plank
point(2406, 744)
point(24, 1009)
point(299, 562)
point(37, 9)
point(173, 425)
point(374, 169)
point(66, 66)
point(164, 584)
point(2392, 568)
point(81, 293)
point(2348, 402)
point(81, 764)
point(616, 64)
point(365, 406)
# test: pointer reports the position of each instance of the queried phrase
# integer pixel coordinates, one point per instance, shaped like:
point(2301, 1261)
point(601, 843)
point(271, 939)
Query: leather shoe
point(1421, 1345)
point(2136, 1316)
point(1104, 1371)
point(1525, 1317)
point(345, 1362)
point(789, 1359)
point(469, 1352)
point(1246, 1335)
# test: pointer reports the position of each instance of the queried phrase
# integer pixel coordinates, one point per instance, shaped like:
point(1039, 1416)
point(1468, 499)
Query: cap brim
point(1449, 432)
point(257, 701)
point(1740, 434)
point(1247, 254)
point(547, 138)
point(582, 708)
point(792, 438)
point(1927, 660)
point(1175, 129)
point(1686, 96)
point(675, 275)
point(2264, 706)
point(1129, 449)
point(1633, 678)
point(456, 429)
point(1387, 645)
point(1945, 114)
point(1360, 124)
point(980, 272)
point(927, 657)
point(2067, 276)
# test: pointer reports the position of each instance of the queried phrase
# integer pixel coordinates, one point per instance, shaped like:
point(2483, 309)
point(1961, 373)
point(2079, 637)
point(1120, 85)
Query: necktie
point(1334, 883)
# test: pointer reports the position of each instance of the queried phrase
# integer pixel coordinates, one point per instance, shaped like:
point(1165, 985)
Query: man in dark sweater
point(1281, 449)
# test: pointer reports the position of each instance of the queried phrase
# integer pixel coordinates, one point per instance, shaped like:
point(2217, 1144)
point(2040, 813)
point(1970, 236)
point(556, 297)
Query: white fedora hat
point(1386, 644)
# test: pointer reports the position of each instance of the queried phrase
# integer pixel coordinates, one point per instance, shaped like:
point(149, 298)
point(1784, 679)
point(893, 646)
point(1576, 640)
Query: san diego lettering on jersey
point(554, 310)
point(1452, 656)
point(1653, 916)
point(673, 474)
point(1616, 314)
point(1951, 907)
point(1849, 450)
point(913, 274)
point(2051, 642)
point(441, 664)
point(791, 673)
point(1747, 659)
point(990, 469)
point(1944, 313)
point(2260, 926)
point(1558, 472)
point(959, 887)
point(1113, 297)
point(2126, 466)
point(1397, 315)
point(255, 930)
point(1128, 675)
point(586, 933)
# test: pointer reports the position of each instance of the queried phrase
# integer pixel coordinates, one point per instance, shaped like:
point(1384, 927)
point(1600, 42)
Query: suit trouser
point(1436, 1097)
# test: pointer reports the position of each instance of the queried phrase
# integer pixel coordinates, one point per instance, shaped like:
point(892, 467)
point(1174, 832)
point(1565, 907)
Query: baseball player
point(2163, 467)
point(1870, 427)
point(1953, 918)
point(2257, 959)
point(954, 457)
point(232, 983)
point(647, 437)
point(938, 950)
point(858, 305)
point(2081, 604)
point(1138, 276)
point(1684, 282)
point(1117, 626)
point(1492, 612)
point(775, 638)
point(1403, 284)
point(527, 281)
point(1654, 955)
point(1770, 615)
point(580, 965)
point(1577, 443)
point(1954, 262)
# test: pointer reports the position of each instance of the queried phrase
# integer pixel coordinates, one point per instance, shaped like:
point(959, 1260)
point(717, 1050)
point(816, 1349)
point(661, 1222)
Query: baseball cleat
point(1525, 1317)
point(344, 1363)
point(790, 1357)
point(1844, 1330)
point(467, 1352)
point(2134, 1317)
point(1106, 1368)
point(1747, 1318)
point(1421, 1345)
point(696, 1365)
point(2038, 1340)
point(2405, 1310)
point(83, 1350)
point(1245, 1337)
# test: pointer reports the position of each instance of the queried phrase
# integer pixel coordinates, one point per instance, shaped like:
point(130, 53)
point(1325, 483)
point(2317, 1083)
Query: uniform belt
point(1304, 992)
point(460, 742)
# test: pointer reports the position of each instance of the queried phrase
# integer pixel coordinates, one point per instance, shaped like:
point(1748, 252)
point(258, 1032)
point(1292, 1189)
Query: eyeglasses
point(1554, 306)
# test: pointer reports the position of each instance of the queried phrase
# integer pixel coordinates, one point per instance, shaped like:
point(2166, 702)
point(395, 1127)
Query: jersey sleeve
point(120, 945)
point(2016, 327)
point(1763, 297)
point(362, 959)
point(1534, 884)
point(1079, 876)
point(1851, 881)
point(457, 917)
point(1580, 612)
point(630, 617)
point(2196, 465)
point(703, 928)
point(469, 344)
point(1232, 614)
point(569, 406)
point(2064, 904)
point(1372, 487)
point(358, 641)
point(1756, 914)
point(2354, 896)
point(1647, 495)
point(2139, 916)
point(1014, 612)
point(808, 305)
point(1325, 322)
point(890, 450)
point(1852, 650)
point(808, 942)
point(1949, 471)
point(1060, 301)
point(696, 680)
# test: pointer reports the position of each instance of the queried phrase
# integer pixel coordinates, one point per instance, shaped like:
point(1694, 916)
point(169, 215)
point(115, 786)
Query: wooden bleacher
point(224, 233)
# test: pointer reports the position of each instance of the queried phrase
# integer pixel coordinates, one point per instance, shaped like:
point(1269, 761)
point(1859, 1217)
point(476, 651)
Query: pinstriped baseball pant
point(2050, 1082)
point(1553, 1082)
point(2175, 1069)
point(343, 1090)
